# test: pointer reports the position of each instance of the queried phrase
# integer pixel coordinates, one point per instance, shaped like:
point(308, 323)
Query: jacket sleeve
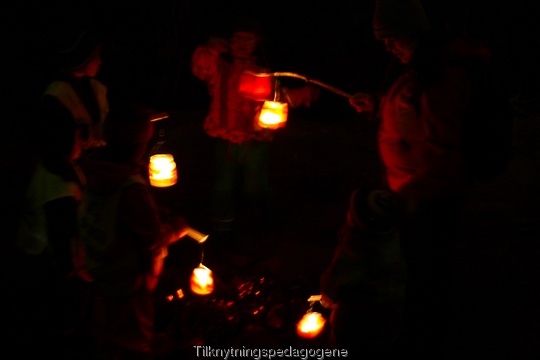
point(442, 114)
point(140, 217)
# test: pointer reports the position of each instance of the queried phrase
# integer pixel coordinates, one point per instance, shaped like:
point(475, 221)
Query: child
point(124, 239)
point(241, 147)
point(365, 282)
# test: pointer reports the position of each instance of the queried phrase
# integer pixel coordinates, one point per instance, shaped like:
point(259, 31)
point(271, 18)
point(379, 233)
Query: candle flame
point(273, 115)
point(162, 170)
point(311, 325)
point(202, 281)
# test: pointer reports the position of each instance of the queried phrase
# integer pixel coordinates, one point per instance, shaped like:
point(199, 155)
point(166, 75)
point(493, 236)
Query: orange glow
point(273, 115)
point(180, 293)
point(310, 325)
point(202, 281)
point(162, 170)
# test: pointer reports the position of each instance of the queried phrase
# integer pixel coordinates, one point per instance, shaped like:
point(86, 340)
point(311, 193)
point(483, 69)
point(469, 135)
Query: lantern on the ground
point(311, 325)
point(202, 281)
point(273, 115)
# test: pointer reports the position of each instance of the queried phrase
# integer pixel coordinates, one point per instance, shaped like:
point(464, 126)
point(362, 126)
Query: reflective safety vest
point(44, 187)
point(65, 93)
point(119, 268)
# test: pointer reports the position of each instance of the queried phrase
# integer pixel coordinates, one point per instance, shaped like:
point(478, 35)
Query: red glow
point(256, 86)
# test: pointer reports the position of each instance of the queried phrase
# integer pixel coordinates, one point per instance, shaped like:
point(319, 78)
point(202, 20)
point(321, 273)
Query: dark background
point(148, 44)
point(322, 154)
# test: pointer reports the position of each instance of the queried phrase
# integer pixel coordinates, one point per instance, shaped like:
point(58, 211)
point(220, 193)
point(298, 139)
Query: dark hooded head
point(127, 131)
point(394, 18)
point(75, 49)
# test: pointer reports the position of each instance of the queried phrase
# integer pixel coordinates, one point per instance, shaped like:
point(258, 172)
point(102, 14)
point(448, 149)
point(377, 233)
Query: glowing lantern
point(256, 86)
point(202, 281)
point(311, 325)
point(273, 115)
point(162, 170)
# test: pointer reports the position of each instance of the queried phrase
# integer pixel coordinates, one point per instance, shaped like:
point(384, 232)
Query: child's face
point(243, 44)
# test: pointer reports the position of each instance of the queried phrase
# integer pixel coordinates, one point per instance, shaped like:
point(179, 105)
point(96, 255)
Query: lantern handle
point(312, 81)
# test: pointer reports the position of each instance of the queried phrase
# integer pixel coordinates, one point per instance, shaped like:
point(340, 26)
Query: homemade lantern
point(162, 167)
point(202, 281)
point(312, 323)
point(273, 115)
point(258, 86)
point(162, 170)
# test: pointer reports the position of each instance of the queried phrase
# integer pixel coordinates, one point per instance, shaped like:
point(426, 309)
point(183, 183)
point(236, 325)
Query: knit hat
point(399, 17)
point(75, 50)
point(248, 25)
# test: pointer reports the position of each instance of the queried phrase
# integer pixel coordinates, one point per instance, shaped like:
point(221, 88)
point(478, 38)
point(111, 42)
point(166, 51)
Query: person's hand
point(326, 302)
point(180, 225)
point(363, 102)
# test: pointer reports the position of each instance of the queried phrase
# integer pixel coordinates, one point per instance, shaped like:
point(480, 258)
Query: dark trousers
point(241, 174)
point(428, 240)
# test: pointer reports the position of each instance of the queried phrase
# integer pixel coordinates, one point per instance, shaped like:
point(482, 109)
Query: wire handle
point(313, 81)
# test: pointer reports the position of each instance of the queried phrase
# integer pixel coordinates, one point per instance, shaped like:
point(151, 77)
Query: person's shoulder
point(98, 85)
point(56, 87)
point(460, 50)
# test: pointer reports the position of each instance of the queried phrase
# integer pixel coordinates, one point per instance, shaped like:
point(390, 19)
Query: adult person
point(75, 94)
point(423, 113)
point(68, 123)
point(242, 148)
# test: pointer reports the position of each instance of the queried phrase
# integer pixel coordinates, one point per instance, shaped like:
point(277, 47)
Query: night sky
point(148, 44)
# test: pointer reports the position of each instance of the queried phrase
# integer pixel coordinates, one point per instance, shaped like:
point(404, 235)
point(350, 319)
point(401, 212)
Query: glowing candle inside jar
point(202, 281)
point(162, 170)
point(310, 325)
point(273, 115)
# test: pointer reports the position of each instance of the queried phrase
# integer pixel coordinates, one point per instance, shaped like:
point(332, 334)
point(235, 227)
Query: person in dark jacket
point(75, 96)
point(68, 124)
point(124, 237)
point(365, 283)
point(423, 112)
